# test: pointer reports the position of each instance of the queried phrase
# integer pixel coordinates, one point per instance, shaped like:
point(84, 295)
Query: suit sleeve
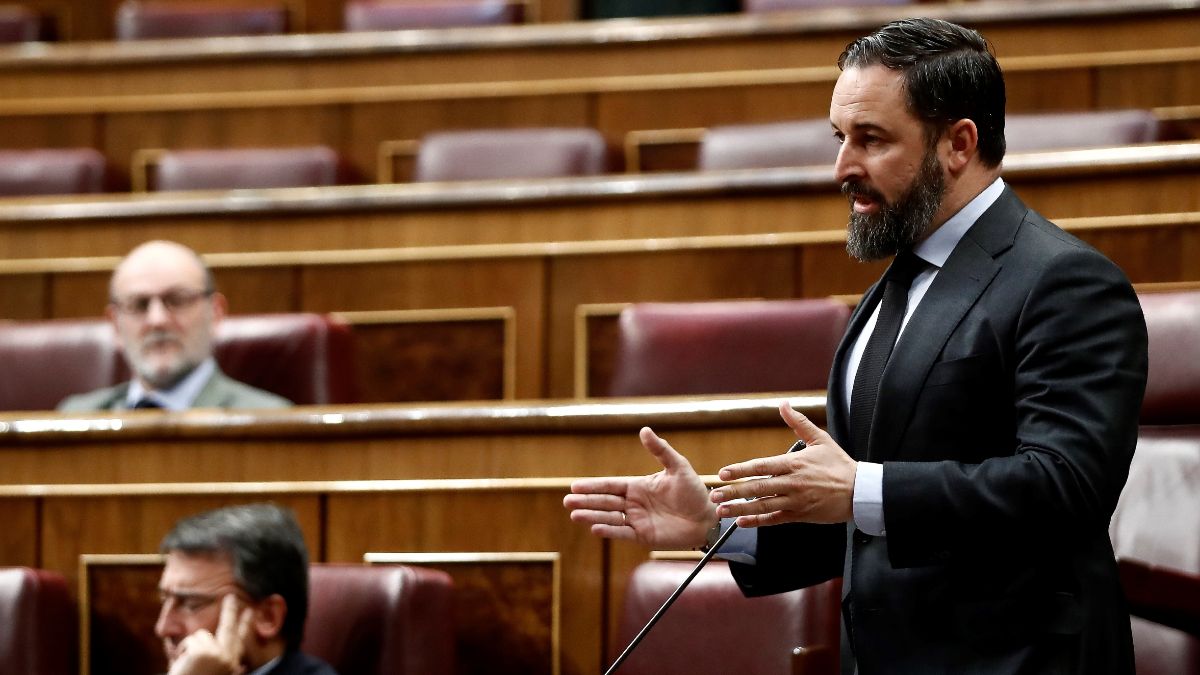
point(1079, 370)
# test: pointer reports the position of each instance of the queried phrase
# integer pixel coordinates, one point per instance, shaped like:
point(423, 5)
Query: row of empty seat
point(513, 153)
point(372, 620)
point(141, 20)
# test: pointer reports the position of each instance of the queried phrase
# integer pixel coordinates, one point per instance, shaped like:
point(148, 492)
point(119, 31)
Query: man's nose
point(847, 165)
point(167, 625)
point(156, 311)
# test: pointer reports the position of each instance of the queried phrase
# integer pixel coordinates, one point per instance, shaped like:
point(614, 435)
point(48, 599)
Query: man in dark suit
point(235, 594)
point(982, 407)
point(164, 309)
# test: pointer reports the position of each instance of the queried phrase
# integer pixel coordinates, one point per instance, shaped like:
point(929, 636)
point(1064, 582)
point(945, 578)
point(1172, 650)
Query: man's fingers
point(245, 628)
point(753, 507)
point(228, 624)
point(613, 532)
point(668, 457)
point(804, 429)
point(763, 520)
point(609, 485)
point(604, 502)
point(762, 466)
point(589, 517)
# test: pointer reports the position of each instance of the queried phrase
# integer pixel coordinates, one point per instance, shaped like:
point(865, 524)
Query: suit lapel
point(955, 290)
point(215, 393)
point(836, 414)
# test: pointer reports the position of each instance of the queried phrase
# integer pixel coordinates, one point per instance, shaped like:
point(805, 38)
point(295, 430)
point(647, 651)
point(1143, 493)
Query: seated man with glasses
point(235, 594)
point(164, 310)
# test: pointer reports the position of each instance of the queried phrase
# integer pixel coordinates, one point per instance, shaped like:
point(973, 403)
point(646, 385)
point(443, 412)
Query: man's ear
point(963, 137)
point(268, 617)
point(220, 307)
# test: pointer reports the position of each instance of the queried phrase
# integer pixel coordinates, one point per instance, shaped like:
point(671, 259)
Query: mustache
point(852, 189)
point(158, 337)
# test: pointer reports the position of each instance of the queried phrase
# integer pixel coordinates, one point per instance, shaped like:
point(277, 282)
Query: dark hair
point(950, 73)
point(266, 548)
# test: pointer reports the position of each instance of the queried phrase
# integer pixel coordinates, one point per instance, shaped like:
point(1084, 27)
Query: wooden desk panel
point(586, 49)
point(1101, 182)
point(357, 121)
point(547, 284)
point(343, 520)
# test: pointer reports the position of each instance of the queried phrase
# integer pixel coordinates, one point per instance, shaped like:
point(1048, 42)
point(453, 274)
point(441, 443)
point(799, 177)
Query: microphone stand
point(798, 445)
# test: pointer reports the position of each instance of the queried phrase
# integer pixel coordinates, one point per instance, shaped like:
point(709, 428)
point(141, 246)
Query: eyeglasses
point(188, 603)
point(194, 603)
point(173, 301)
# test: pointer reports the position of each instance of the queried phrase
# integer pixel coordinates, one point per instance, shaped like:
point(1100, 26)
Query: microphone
point(798, 445)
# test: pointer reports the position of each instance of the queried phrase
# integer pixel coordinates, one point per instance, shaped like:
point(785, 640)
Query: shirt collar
point(936, 248)
point(266, 667)
point(179, 397)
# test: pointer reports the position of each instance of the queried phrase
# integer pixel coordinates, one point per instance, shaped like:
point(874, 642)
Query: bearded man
point(164, 309)
point(982, 407)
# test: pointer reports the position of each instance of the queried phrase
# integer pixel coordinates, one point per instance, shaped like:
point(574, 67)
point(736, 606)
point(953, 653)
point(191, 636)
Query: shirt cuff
point(741, 546)
point(868, 498)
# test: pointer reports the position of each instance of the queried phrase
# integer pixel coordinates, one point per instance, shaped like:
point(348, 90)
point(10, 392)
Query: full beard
point(900, 225)
point(155, 371)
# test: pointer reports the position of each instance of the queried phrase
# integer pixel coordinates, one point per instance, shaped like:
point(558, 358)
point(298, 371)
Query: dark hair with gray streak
point(266, 548)
point(950, 73)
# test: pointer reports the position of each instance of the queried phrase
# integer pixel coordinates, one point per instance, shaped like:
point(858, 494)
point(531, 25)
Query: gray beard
point(899, 226)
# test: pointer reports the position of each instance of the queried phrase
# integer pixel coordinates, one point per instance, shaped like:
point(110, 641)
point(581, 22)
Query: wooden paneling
point(511, 599)
point(440, 284)
point(119, 606)
point(1158, 178)
point(545, 53)
point(545, 286)
point(19, 536)
point(356, 122)
point(435, 355)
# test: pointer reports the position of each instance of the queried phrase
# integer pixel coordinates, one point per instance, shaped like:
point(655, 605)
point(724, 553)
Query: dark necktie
point(879, 347)
point(146, 403)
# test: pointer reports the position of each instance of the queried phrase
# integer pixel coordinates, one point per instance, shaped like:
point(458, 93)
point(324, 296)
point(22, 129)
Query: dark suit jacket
point(221, 391)
point(1006, 422)
point(299, 663)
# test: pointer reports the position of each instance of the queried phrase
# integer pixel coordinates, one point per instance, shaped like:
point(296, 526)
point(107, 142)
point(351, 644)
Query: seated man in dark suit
point(235, 594)
point(164, 309)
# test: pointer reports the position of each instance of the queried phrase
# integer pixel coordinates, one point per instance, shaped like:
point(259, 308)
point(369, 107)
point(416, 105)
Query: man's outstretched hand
point(665, 510)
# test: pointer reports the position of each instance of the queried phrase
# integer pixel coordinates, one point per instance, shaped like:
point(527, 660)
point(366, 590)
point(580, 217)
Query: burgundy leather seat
point(365, 15)
point(139, 20)
point(1085, 129)
point(727, 347)
point(381, 620)
point(229, 169)
point(306, 358)
point(19, 24)
point(51, 172)
point(760, 146)
point(713, 628)
point(511, 153)
point(1156, 527)
point(46, 361)
point(38, 625)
